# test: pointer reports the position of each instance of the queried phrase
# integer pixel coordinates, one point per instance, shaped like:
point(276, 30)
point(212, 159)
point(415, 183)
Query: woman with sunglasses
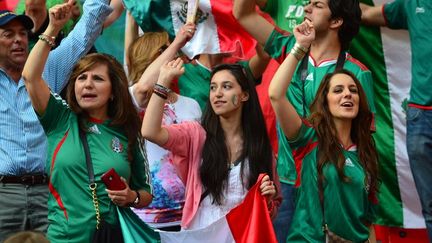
point(146, 56)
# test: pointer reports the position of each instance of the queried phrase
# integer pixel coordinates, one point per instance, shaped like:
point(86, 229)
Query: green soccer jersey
point(415, 16)
point(71, 212)
point(195, 82)
point(278, 46)
point(286, 13)
point(347, 206)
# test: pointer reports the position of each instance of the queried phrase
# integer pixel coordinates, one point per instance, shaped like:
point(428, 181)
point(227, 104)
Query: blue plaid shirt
point(23, 144)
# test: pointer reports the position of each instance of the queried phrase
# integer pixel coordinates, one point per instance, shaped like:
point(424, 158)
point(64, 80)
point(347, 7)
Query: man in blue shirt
point(23, 185)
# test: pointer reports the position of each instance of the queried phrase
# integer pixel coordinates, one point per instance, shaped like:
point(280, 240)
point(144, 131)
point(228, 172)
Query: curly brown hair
point(329, 148)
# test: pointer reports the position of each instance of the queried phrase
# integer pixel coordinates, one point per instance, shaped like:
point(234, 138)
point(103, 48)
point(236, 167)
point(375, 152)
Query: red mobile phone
point(112, 180)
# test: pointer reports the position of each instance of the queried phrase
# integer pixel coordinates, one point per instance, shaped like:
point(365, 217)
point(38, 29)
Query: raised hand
point(185, 33)
point(170, 71)
point(75, 10)
point(59, 15)
point(305, 33)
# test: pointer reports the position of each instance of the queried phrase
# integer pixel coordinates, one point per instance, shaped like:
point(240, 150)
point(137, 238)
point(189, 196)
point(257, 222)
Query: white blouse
point(234, 194)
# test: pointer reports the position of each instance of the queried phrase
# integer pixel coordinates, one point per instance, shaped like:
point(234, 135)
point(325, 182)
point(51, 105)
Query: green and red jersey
point(278, 45)
point(71, 212)
point(348, 206)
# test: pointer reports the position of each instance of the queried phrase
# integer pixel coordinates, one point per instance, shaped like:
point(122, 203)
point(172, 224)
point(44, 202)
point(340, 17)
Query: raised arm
point(255, 24)
point(131, 34)
point(258, 63)
point(151, 74)
point(76, 44)
point(32, 73)
point(152, 129)
point(372, 15)
point(118, 8)
point(286, 114)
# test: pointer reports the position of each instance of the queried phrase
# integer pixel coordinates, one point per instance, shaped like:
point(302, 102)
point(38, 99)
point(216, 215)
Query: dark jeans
point(419, 146)
point(22, 208)
point(283, 219)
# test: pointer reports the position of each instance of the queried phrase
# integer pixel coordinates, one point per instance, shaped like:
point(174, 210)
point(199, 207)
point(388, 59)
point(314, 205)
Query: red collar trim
point(95, 120)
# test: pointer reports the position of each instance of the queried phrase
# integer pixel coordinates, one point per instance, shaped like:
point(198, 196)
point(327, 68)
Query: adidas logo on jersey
point(420, 10)
point(310, 77)
point(94, 129)
point(349, 163)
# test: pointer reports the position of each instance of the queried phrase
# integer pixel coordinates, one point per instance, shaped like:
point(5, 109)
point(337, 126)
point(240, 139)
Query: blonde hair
point(143, 51)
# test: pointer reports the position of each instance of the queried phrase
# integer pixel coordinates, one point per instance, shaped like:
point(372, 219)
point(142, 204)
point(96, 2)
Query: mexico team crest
point(116, 145)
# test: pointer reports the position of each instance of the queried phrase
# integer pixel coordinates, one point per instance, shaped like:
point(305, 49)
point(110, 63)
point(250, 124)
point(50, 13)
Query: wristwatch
point(137, 199)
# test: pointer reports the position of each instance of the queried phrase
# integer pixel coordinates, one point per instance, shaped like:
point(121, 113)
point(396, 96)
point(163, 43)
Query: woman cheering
point(98, 106)
point(221, 158)
point(336, 149)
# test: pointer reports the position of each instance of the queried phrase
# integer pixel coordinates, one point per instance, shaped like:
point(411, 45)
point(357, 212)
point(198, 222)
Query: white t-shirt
point(168, 190)
point(234, 194)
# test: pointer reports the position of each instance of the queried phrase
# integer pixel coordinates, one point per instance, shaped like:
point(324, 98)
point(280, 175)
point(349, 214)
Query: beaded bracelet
point(160, 94)
point(162, 88)
point(50, 40)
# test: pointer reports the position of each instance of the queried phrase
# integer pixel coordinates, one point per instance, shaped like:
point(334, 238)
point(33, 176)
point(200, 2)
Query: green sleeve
point(246, 66)
point(305, 136)
point(270, 7)
point(366, 81)
point(395, 14)
point(285, 162)
point(370, 216)
point(140, 171)
point(56, 114)
point(279, 44)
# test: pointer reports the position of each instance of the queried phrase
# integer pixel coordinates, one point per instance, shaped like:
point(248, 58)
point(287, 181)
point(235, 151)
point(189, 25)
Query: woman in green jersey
point(99, 105)
point(334, 148)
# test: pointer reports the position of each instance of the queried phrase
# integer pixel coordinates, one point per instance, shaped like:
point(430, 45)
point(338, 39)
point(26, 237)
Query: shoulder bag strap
point(340, 61)
point(303, 75)
point(83, 138)
point(92, 183)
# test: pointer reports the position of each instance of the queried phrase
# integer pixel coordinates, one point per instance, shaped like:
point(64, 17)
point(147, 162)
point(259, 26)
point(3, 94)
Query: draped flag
point(249, 222)
point(217, 29)
point(387, 53)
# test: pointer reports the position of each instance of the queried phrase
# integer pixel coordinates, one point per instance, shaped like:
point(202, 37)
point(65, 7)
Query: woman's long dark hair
point(214, 169)
point(121, 110)
point(329, 147)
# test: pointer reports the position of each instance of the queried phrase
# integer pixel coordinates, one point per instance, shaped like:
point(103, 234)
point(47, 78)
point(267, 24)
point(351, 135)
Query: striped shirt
point(23, 144)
